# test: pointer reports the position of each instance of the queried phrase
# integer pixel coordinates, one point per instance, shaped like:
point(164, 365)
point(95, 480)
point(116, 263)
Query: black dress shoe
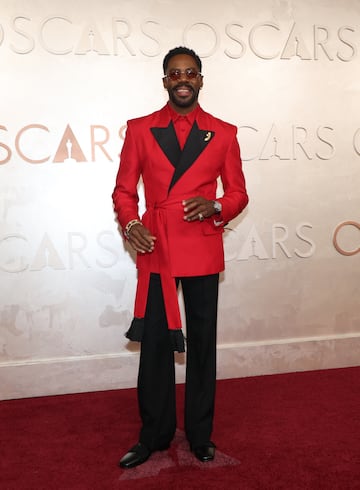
point(205, 452)
point(137, 455)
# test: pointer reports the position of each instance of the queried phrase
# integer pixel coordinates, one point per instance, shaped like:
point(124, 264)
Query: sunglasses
point(190, 73)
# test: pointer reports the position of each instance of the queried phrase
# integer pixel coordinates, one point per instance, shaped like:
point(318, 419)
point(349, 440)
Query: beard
point(183, 102)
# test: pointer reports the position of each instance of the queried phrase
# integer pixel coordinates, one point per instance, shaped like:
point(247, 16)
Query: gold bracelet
point(128, 227)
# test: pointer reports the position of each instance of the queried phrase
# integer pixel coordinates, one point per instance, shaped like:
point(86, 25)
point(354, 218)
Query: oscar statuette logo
point(69, 150)
point(341, 227)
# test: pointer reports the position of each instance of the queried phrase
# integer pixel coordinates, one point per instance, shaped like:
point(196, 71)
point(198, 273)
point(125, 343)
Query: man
point(179, 151)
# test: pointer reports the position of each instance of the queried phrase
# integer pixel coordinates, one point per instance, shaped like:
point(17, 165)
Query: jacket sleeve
point(125, 195)
point(235, 197)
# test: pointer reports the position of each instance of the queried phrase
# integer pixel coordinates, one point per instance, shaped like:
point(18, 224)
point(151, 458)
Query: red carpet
point(290, 431)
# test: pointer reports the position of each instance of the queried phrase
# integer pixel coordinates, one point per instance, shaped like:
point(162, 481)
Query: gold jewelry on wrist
point(128, 227)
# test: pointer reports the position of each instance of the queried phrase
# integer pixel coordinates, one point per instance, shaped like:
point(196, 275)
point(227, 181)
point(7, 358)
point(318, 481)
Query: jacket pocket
point(209, 227)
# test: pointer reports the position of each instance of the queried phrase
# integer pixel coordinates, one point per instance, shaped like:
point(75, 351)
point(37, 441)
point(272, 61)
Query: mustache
point(183, 84)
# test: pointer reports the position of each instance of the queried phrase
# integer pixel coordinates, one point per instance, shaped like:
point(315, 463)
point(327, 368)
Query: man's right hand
point(141, 239)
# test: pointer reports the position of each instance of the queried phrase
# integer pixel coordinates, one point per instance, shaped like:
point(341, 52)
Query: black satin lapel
point(197, 141)
point(167, 140)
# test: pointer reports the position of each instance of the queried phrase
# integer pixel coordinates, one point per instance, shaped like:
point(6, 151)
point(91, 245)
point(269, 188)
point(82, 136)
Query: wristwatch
point(217, 207)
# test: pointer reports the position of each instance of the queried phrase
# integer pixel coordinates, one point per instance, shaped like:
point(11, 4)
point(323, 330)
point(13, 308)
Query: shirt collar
point(190, 117)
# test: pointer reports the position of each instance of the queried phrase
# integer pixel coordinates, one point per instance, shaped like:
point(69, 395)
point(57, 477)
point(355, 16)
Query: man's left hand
point(198, 208)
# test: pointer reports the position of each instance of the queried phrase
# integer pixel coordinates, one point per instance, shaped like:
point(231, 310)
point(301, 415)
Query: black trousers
point(156, 379)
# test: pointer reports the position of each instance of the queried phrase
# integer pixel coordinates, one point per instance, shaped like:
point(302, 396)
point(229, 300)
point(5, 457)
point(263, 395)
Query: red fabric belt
point(156, 221)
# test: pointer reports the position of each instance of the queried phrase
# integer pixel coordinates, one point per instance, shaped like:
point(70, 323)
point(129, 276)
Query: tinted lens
point(174, 75)
point(190, 73)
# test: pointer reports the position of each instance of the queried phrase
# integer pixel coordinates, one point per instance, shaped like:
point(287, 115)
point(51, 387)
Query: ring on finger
point(201, 217)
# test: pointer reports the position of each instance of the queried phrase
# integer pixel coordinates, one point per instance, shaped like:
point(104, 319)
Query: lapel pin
point(208, 136)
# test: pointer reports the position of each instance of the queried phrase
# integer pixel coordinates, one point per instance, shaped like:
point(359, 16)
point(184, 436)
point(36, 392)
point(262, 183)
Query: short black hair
point(181, 50)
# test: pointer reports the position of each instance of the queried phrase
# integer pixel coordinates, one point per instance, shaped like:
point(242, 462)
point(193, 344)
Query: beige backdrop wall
point(286, 73)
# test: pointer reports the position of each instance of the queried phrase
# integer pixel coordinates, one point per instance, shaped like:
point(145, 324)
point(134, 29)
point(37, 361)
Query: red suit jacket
point(171, 175)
